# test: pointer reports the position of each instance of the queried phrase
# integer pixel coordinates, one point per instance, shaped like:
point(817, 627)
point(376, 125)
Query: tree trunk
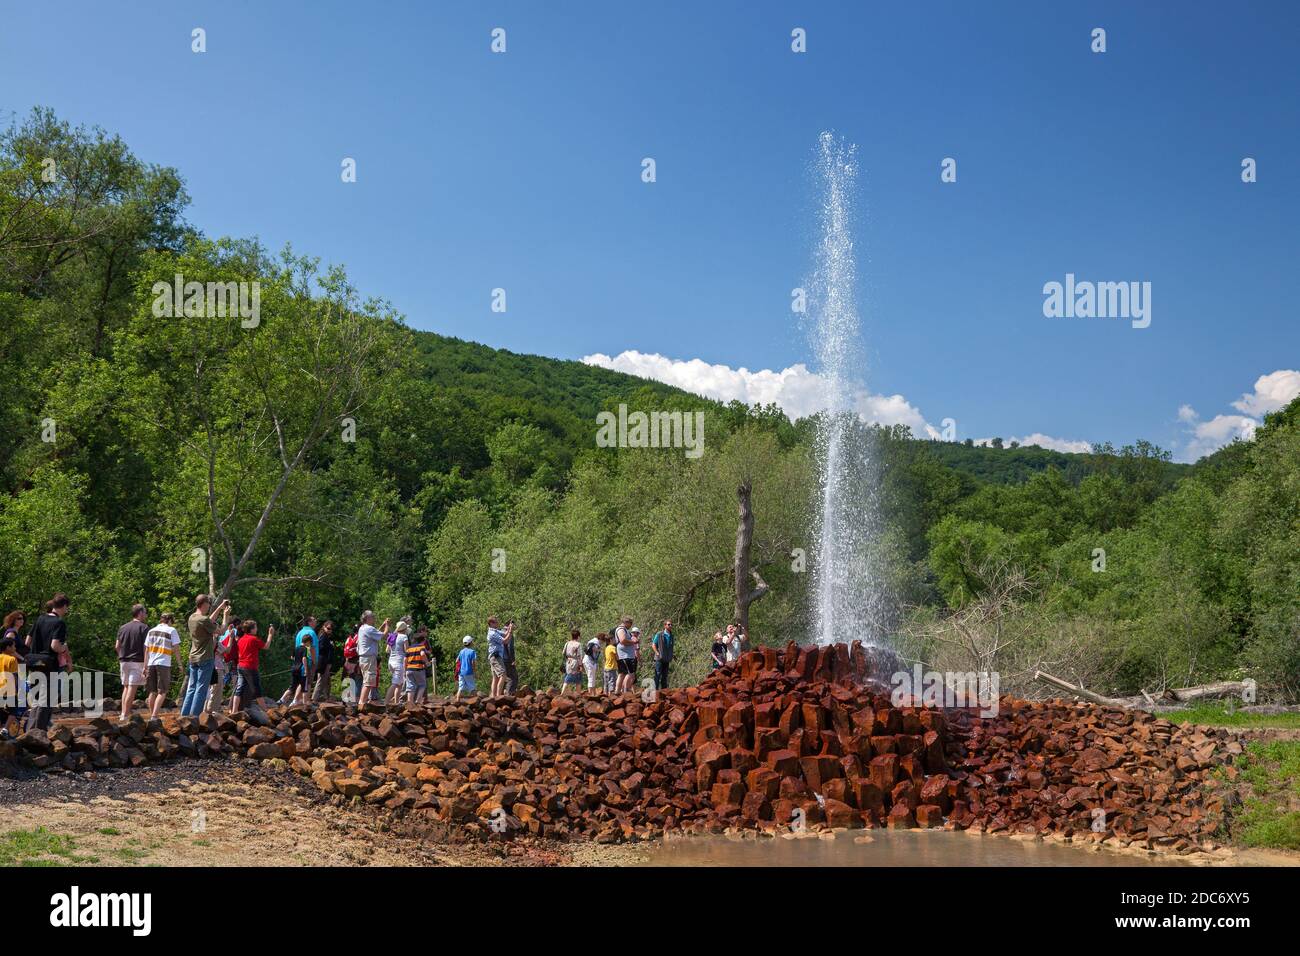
point(744, 570)
point(1180, 695)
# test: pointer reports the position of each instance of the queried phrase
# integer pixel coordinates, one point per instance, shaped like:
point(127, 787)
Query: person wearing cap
point(465, 662)
point(591, 661)
point(397, 644)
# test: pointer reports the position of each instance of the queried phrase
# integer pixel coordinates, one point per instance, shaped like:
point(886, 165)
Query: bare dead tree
point(743, 569)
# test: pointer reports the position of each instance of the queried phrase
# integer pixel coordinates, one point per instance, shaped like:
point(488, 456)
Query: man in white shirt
point(369, 640)
point(159, 648)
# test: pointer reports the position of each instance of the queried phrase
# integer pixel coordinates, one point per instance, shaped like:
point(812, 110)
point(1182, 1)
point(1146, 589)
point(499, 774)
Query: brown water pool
point(888, 848)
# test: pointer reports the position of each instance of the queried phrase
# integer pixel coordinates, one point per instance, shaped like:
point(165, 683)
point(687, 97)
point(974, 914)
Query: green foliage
point(649, 534)
point(49, 545)
point(1268, 818)
point(148, 457)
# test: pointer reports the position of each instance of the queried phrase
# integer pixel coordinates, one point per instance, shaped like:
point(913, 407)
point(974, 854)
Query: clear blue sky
point(523, 171)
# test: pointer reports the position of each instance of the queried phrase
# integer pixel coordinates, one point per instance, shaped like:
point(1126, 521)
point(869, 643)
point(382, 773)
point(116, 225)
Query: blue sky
point(523, 171)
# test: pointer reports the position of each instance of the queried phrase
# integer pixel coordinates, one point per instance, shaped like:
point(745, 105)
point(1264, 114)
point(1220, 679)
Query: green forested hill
point(573, 386)
point(1014, 465)
point(327, 458)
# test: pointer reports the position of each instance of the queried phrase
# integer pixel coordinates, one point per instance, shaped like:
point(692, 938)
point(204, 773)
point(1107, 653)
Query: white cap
point(467, 640)
point(636, 630)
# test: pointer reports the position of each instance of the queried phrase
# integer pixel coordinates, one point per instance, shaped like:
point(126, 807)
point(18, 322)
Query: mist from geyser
point(848, 586)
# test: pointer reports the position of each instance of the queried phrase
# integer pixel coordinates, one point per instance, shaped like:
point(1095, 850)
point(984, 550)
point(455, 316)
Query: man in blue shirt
point(662, 643)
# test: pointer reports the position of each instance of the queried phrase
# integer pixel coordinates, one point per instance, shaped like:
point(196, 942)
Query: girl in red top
point(248, 685)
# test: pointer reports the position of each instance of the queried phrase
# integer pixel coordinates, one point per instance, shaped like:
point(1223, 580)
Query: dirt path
point(220, 814)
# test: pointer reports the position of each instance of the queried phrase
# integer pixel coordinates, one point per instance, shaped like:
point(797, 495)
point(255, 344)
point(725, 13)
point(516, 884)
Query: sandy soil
point(224, 814)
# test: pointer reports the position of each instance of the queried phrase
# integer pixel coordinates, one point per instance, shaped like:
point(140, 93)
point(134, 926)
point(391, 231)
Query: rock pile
point(1091, 773)
point(804, 737)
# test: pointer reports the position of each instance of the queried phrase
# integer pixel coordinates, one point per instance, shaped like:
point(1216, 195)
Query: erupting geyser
point(847, 584)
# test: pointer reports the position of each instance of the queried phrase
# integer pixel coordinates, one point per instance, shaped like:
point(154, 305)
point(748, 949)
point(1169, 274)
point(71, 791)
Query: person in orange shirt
point(8, 683)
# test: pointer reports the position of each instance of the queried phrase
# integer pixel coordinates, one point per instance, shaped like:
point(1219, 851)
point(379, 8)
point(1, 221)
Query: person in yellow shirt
point(611, 662)
point(8, 683)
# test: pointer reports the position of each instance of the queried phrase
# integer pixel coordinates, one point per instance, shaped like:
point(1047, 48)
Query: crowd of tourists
point(225, 659)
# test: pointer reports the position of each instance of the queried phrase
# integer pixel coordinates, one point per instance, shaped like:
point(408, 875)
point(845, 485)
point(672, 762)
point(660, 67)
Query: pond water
point(887, 848)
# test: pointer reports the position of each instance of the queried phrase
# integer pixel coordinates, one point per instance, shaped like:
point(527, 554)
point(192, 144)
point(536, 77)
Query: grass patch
point(110, 831)
point(39, 847)
point(1217, 714)
point(1268, 818)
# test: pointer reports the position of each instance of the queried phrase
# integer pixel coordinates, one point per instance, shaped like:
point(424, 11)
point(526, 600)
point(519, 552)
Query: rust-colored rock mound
point(804, 737)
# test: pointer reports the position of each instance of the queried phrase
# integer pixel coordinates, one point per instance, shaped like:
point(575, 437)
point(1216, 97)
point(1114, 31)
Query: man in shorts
point(130, 656)
point(496, 642)
point(369, 640)
point(159, 647)
point(627, 640)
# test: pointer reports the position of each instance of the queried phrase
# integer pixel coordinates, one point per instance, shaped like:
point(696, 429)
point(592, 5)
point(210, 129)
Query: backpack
point(350, 648)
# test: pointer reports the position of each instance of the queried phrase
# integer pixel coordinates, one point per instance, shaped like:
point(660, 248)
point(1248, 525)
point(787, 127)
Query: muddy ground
point(246, 813)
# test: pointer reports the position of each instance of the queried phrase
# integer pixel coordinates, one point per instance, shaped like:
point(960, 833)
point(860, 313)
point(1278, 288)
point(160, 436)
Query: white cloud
point(1045, 441)
point(1209, 437)
point(797, 390)
point(1273, 391)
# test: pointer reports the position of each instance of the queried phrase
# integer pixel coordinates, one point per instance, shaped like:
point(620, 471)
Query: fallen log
point(1172, 698)
point(1219, 689)
point(1044, 678)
